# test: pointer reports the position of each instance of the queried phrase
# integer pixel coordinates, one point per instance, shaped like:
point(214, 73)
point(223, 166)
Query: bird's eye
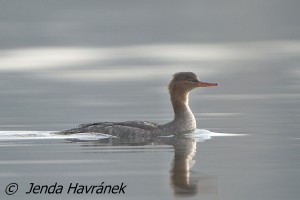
point(191, 80)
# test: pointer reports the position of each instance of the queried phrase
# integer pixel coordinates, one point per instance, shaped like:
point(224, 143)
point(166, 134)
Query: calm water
point(255, 156)
point(63, 64)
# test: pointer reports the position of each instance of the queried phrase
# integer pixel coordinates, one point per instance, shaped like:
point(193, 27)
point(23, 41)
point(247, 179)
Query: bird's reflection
point(183, 180)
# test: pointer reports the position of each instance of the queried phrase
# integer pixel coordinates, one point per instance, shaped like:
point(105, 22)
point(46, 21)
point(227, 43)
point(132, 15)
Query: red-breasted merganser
point(184, 120)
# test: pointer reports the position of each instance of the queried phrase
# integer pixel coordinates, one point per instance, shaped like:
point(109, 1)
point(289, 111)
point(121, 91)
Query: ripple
point(30, 135)
point(199, 135)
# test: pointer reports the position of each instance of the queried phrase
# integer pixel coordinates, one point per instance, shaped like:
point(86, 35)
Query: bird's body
point(184, 120)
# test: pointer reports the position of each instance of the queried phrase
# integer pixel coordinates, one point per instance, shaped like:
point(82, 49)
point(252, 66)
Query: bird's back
point(127, 129)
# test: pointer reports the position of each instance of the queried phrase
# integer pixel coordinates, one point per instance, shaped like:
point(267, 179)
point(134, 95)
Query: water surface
point(63, 64)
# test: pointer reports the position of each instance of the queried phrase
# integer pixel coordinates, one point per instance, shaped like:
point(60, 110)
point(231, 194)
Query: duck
point(184, 120)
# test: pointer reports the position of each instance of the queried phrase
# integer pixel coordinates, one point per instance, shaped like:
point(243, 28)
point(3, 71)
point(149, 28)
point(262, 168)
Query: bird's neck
point(183, 117)
point(180, 103)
